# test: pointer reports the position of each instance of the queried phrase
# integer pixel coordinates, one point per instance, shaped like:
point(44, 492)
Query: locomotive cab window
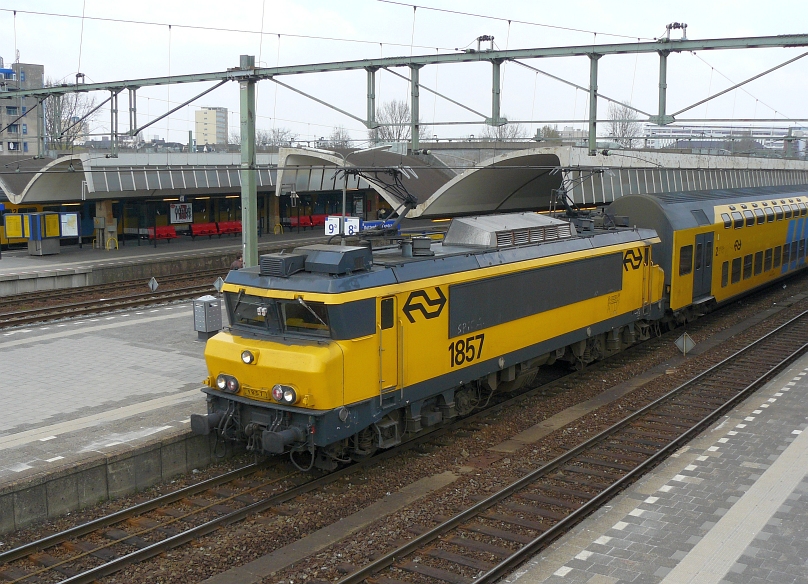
point(737, 219)
point(310, 318)
point(727, 220)
point(685, 260)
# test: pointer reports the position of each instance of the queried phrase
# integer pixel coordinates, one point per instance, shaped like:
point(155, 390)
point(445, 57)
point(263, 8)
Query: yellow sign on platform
point(51, 225)
point(13, 225)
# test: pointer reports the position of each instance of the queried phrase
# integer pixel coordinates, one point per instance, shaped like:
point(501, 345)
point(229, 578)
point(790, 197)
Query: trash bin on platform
point(207, 316)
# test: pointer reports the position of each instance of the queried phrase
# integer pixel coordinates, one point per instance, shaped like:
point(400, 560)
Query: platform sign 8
point(351, 225)
point(332, 225)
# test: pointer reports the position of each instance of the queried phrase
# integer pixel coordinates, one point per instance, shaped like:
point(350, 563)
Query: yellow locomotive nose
point(293, 370)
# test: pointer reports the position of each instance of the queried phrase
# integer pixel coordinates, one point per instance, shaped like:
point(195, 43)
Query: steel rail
point(514, 560)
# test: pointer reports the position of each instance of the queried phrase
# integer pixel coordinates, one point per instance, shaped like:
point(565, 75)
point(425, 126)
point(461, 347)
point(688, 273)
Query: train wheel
point(364, 445)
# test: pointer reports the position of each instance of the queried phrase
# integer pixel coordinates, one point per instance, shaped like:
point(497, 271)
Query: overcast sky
point(308, 31)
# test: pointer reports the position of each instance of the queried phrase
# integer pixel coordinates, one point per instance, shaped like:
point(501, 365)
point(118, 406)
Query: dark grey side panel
point(352, 319)
point(485, 303)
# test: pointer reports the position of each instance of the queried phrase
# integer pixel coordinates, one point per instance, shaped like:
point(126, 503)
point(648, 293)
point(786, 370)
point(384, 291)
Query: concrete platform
point(96, 408)
point(731, 507)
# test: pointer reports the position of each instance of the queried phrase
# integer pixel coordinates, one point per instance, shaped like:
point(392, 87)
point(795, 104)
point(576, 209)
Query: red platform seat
point(166, 232)
point(229, 227)
point(318, 220)
point(208, 229)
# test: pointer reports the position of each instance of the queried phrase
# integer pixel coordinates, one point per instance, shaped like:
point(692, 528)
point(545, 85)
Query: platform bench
point(229, 227)
point(318, 220)
point(166, 232)
point(208, 229)
point(304, 221)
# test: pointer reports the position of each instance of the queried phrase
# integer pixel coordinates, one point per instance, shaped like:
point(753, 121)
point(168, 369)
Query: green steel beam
point(249, 193)
point(464, 57)
point(415, 108)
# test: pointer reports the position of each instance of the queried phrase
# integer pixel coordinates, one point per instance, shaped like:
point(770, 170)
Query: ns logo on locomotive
point(335, 352)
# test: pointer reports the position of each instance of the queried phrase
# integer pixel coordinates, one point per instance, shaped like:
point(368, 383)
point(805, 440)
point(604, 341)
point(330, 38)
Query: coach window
point(758, 262)
point(787, 210)
point(698, 256)
point(794, 248)
point(747, 266)
point(778, 210)
point(750, 218)
point(737, 219)
point(769, 214)
point(803, 210)
point(802, 248)
point(795, 209)
point(724, 274)
point(708, 254)
point(767, 260)
point(777, 257)
point(761, 218)
point(736, 270)
point(388, 318)
point(685, 260)
point(727, 220)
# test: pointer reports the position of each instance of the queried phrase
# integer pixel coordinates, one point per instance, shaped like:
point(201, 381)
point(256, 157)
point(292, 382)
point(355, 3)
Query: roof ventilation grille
point(281, 265)
point(507, 230)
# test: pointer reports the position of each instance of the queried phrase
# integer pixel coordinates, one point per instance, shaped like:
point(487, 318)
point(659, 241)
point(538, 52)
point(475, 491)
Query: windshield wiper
point(307, 307)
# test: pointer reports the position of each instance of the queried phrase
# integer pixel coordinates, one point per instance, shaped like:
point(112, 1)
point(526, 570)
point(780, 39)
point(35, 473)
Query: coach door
point(388, 344)
point(702, 265)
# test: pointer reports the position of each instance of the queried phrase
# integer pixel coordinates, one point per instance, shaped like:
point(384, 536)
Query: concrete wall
point(39, 498)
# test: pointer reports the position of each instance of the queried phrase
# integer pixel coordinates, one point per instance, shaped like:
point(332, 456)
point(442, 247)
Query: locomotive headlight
point(227, 383)
point(232, 385)
point(248, 357)
point(221, 382)
point(284, 394)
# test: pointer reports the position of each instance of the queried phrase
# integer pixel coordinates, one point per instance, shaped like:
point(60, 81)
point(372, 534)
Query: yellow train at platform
point(334, 352)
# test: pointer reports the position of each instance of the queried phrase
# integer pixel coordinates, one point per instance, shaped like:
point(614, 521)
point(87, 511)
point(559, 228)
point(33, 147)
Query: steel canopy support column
point(42, 131)
point(132, 110)
point(249, 197)
point(371, 117)
point(663, 119)
point(113, 122)
point(593, 103)
point(415, 110)
point(496, 118)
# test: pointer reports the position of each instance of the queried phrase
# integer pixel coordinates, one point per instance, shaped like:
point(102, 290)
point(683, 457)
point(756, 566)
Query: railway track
point(485, 541)
point(490, 539)
point(17, 302)
point(87, 307)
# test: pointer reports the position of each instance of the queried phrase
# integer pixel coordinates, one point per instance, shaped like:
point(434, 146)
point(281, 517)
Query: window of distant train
point(794, 247)
point(769, 214)
point(777, 256)
point(796, 210)
point(724, 274)
point(747, 266)
point(803, 210)
point(737, 219)
point(388, 318)
point(767, 260)
point(761, 218)
point(708, 254)
point(750, 218)
point(802, 248)
point(310, 318)
point(787, 210)
point(736, 270)
point(758, 262)
point(685, 260)
point(778, 211)
point(727, 220)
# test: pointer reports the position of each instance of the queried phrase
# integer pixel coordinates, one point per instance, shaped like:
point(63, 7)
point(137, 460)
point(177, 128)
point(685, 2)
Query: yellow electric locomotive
point(336, 351)
point(718, 245)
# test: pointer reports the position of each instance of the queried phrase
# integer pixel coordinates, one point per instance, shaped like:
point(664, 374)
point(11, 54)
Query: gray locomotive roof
point(677, 208)
point(391, 268)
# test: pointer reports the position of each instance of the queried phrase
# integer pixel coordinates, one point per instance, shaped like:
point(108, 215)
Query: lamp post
point(345, 182)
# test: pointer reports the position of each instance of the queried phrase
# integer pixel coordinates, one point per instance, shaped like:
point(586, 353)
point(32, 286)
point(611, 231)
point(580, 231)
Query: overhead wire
point(490, 17)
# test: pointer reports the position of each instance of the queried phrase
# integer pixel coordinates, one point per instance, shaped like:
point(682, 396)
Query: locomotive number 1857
point(466, 350)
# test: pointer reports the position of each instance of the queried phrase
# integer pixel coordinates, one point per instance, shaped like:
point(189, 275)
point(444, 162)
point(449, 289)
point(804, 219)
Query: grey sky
point(113, 50)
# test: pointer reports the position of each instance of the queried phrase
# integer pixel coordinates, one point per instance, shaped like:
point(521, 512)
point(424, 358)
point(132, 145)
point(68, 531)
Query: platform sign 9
point(332, 225)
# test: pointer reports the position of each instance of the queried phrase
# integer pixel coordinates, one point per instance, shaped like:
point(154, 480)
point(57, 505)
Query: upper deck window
point(787, 210)
point(803, 210)
point(737, 219)
point(727, 220)
point(769, 214)
point(761, 218)
point(750, 218)
point(778, 210)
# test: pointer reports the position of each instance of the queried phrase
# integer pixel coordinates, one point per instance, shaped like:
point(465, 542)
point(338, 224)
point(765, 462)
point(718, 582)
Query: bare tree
point(623, 126)
point(550, 133)
point(275, 137)
point(339, 138)
point(505, 133)
point(62, 114)
point(394, 117)
point(234, 138)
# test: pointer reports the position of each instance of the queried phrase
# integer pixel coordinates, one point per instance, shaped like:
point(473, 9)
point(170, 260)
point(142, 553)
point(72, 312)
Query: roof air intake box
point(336, 259)
point(281, 265)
